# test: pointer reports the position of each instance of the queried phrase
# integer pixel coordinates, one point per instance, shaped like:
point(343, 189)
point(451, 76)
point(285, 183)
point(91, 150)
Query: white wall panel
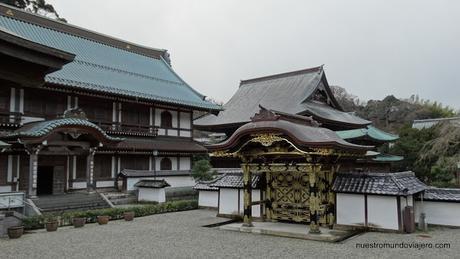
point(439, 213)
point(185, 163)
point(185, 120)
point(208, 198)
point(255, 197)
point(350, 209)
point(228, 201)
point(382, 212)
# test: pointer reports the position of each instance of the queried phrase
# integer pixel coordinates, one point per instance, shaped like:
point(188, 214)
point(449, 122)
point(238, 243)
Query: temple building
point(299, 95)
point(78, 107)
point(303, 159)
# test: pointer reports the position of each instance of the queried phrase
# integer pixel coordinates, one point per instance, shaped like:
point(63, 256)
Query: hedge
point(65, 218)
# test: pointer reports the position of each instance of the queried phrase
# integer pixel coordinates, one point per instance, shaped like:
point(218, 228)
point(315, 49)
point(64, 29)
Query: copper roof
point(104, 64)
point(43, 128)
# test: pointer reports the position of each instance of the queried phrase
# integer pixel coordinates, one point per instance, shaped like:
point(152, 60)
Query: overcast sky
point(372, 48)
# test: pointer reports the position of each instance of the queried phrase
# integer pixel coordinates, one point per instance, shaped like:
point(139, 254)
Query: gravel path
point(180, 235)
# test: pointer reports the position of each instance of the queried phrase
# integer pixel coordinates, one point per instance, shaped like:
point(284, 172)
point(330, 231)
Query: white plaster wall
point(439, 213)
point(151, 194)
point(255, 197)
point(350, 209)
point(184, 163)
point(105, 184)
point(184, 133)
point(6, 188)
point(382, 212)
point(158, 116)
point(228, 201)
point(161, 132)
point(175, 119)
point(185, 120)
point(78, 185)
point(172, 132)
point(208, 198)
point(179, 181)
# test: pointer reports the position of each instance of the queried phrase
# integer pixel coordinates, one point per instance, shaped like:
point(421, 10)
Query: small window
point(165, 164)
point(166, 120)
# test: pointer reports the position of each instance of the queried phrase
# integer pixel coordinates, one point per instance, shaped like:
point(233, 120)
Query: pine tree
point(22, 4)
point(35, 6)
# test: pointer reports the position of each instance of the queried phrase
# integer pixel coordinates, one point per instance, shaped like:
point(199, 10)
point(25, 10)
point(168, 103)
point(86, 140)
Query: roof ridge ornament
point(74, 113)
point(265, 115)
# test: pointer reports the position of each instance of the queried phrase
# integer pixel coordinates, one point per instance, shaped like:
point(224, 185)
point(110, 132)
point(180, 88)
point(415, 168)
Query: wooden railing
point(10, 117)
point(127, 128)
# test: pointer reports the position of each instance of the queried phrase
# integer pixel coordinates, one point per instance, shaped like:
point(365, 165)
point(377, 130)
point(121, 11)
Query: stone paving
point(181, 235)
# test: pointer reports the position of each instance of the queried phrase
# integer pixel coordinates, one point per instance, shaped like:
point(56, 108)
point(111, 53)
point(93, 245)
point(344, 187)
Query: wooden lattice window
point(165, 164)
point(166, 120)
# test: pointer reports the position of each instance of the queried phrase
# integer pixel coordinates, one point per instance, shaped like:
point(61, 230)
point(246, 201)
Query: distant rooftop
point(370, 132)
point(428, 123)
point(303, 92)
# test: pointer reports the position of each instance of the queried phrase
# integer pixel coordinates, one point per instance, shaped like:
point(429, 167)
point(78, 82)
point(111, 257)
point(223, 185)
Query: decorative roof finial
point(76, 113)
point(264, 115)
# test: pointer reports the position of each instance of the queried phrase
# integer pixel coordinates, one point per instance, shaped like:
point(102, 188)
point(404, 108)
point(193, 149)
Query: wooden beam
point(247, 196)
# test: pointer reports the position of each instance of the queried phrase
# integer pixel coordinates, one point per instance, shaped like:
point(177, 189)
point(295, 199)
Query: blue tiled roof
point(42, 128)
point(370, 131)
point(108, 69)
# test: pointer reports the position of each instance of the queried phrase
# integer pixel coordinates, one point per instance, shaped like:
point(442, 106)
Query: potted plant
point(128, 215)
point(51, 223)
point(103, 219)
point(78, 220)
point(15, 232)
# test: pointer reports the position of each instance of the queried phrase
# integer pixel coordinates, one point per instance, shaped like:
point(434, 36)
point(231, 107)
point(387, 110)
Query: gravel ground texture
point(181, 235)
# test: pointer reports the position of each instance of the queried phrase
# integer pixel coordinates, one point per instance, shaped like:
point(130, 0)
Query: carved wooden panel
point(289, 195)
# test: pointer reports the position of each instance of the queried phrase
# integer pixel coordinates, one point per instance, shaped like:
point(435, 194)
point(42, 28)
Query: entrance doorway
point(45, 177)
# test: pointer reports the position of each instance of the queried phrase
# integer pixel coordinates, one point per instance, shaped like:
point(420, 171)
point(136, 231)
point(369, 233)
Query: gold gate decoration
point(289, 195)
point(288, 191)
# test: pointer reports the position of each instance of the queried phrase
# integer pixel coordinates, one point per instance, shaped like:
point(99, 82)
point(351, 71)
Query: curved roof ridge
point(182, 80)
point(42, 128)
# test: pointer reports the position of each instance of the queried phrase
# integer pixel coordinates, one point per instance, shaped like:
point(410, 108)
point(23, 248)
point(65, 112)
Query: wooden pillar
point(247, 193)
point(90, 170)
point(314, 201)
point(33, 167)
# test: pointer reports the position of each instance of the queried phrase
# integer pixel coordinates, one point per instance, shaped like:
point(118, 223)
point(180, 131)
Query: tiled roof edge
point(39, 20)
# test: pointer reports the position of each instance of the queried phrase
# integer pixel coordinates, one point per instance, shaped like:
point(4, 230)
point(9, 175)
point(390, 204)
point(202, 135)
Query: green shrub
point(65, 218)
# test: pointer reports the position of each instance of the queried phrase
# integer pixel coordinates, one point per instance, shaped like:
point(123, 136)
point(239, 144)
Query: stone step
point(127, 200)
point(70, 201)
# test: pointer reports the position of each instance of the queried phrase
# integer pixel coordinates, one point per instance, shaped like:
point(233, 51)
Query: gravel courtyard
point(181, 235)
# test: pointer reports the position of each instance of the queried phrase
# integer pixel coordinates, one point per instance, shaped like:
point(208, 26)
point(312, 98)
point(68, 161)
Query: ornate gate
point(289, 195)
